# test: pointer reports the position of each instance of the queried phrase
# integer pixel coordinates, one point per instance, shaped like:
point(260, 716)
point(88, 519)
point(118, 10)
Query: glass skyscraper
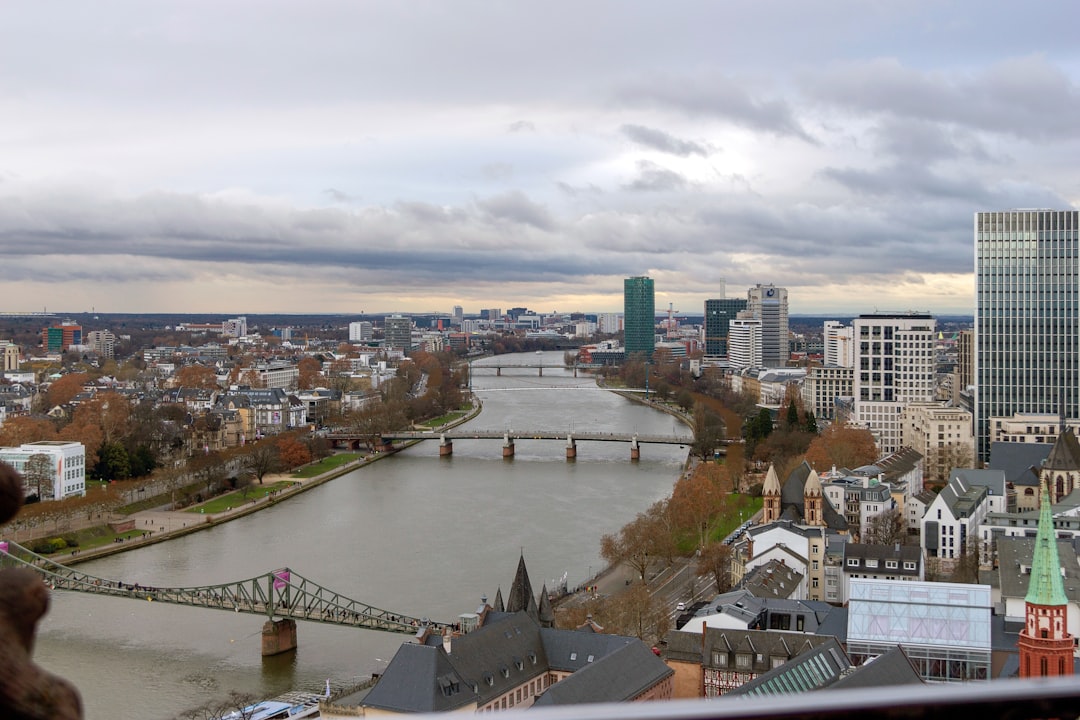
point(1027, 342)
point(718, 316)
point(639, 316)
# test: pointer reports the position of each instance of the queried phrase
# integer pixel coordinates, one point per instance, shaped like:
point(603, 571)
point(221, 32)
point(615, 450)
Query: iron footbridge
point(279, 594)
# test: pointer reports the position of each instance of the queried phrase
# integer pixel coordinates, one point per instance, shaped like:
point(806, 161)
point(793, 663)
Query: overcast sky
point(347, 157)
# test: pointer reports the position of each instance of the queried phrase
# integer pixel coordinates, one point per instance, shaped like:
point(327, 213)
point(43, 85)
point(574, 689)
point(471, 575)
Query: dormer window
point(573, 656)
point(518, 663)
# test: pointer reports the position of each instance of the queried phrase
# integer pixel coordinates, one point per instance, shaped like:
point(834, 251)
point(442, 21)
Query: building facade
point(894, 366)
point(941, 434)
point(718, 316)
point(639, 316)
point(744, 342)
point(65, 474)
point(1027, 339)
point(769, 304)
point(361, 331)
point(397, 332)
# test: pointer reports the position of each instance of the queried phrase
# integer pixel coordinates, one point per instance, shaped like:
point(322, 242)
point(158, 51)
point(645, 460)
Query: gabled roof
point(774, 579)
point(993, 480)
point(792, 500)
point(891, 668)
point(1016, 460)
point(815, 669)
point(1065, 453)
point(624, 674)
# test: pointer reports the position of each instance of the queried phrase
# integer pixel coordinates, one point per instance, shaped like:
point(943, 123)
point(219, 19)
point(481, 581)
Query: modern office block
point(639, 316)
point(1027, 339)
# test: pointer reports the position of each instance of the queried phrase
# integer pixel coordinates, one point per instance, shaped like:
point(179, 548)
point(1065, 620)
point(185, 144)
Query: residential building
point(66, 468)
point(609, 323)
point(941, 434)
point(894, 358)
point(823, 385)
point(1028, 428)
point(235, 327)
point(881, 562)
point(838, 345)
point(965, 365)
point(277, 374)
point(952, 521)
point(769, 305)
point(397, 332)
point(1027, 316)
point(102, 342)
point(801, 548)
point(744, 342)
point(639, 317)
point(718, 316)
point(361, 332)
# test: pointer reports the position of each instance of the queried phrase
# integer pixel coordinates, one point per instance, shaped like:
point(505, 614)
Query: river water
point(413, 533)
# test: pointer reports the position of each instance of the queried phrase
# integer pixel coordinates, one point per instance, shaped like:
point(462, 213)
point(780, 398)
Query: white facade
point(769, 305)
point(235, 327)
point(839, 344)
point(953, 519)
point(744, 343)
point(894, 366)
point(1029, 428)
point(361, 331)
point(609, 323)
point(67, 463)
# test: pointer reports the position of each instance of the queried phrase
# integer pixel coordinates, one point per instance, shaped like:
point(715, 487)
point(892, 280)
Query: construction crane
point(671, 320)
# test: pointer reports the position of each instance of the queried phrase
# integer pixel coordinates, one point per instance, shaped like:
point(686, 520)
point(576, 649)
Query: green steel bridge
point(278, 595)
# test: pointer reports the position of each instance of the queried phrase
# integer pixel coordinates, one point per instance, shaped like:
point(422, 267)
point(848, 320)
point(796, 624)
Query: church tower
point(813, 500)
point(1061, 469)
point(770, 495)
point(1045, 645)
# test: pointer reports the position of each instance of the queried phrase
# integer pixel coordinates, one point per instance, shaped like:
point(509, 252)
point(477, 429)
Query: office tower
point(60, 337)
point(718, 316)
point(769, 304)
point(398, 332)
point(1027, 342)
point(102, 342)
point(235, 327)
point(639, 316)
point(459, 315)
point(894, 366)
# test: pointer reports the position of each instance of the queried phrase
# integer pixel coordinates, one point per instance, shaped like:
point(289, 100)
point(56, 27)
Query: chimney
point(446, 639)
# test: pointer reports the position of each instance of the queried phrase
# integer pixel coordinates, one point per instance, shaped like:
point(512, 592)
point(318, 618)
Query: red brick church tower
point(1045, 645)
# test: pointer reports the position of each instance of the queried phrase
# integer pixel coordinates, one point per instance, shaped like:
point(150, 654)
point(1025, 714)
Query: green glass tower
point(639, 316)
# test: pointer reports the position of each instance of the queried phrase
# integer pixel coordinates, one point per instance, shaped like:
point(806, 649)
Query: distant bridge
point(539, 367)
point(283, 596)
point(446, 439)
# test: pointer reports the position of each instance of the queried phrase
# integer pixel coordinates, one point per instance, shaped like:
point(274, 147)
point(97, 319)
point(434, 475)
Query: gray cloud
point(659, 140)
point(655, 178)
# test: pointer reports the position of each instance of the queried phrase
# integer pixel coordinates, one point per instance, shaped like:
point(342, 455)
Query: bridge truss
point(277, 594)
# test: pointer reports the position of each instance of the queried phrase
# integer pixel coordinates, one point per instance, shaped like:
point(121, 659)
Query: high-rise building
point(459, 315)
point(718, 316)
point(769, 304)
point(103, 342)
point(1027, 319)
point(744, 342)
point(639, 316)
point(398, 332)
point(60, 337)
point(894, 366)
point(360, 331)
point(838, 345)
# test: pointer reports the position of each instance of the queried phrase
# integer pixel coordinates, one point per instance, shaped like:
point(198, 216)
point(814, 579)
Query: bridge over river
point(446, 439)
point(282, 595)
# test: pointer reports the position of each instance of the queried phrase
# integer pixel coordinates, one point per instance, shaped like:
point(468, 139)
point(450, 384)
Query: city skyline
point(341, 159)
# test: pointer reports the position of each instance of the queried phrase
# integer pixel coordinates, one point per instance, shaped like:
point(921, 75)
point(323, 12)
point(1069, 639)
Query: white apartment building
point(1029, 428)
point(838, 344)
point(609, 323)
point(941, 434)
point(277, 375)
point(744, 342)
point(361, 331)
point(894, 366)
point(953, 519)
point(102, 342)
point(235, 327)
point(67, 466)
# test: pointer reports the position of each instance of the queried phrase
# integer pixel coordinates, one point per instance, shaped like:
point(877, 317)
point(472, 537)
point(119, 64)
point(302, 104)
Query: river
point(413, 533)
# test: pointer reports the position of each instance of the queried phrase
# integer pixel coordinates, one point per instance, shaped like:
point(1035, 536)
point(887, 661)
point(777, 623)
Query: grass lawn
point(326, 464)
point(236, 498)
point(444, 419)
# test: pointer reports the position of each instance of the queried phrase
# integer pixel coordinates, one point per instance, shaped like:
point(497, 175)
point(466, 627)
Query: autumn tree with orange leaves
point(842, 445)
point(64, 389)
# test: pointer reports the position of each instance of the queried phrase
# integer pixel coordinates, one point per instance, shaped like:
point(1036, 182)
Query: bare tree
point(886, 528)
point(261, 460)
point(715, 562)
point(38, 472)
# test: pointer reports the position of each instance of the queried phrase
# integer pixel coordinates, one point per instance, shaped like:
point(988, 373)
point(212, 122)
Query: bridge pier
point(541, 369)
point(575, 371)
point(508, 446)
point(278, 636)
point(384, 446)
point(498, 371)
point(571, 448)
point(446, 447)
point(635, 450)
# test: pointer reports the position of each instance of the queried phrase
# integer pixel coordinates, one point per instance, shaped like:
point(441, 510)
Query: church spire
point(1046, 586)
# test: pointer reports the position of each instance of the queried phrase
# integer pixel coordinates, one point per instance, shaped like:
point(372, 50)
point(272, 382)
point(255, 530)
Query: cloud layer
point(341, 157)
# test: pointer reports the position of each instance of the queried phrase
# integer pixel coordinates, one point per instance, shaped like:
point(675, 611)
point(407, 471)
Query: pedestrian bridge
point(282, 596)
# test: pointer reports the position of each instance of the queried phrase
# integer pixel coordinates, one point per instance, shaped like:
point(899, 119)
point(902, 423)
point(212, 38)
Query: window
point(719, 659)
point(891, 564)
point(742, 661)
point(853, 562)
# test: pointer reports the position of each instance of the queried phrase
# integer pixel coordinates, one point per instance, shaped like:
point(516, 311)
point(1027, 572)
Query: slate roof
point(1019, 461)
point(900, 553)
point(1065, 453)
point(791, 500)
point(814, 669)
point(993, 480)
point(891, 668)
point(773, 579)
point(625, 674)
point(762, 645)
point(1015, 553)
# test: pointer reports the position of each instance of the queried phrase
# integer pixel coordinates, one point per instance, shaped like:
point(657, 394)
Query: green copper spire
point(1046, 586)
